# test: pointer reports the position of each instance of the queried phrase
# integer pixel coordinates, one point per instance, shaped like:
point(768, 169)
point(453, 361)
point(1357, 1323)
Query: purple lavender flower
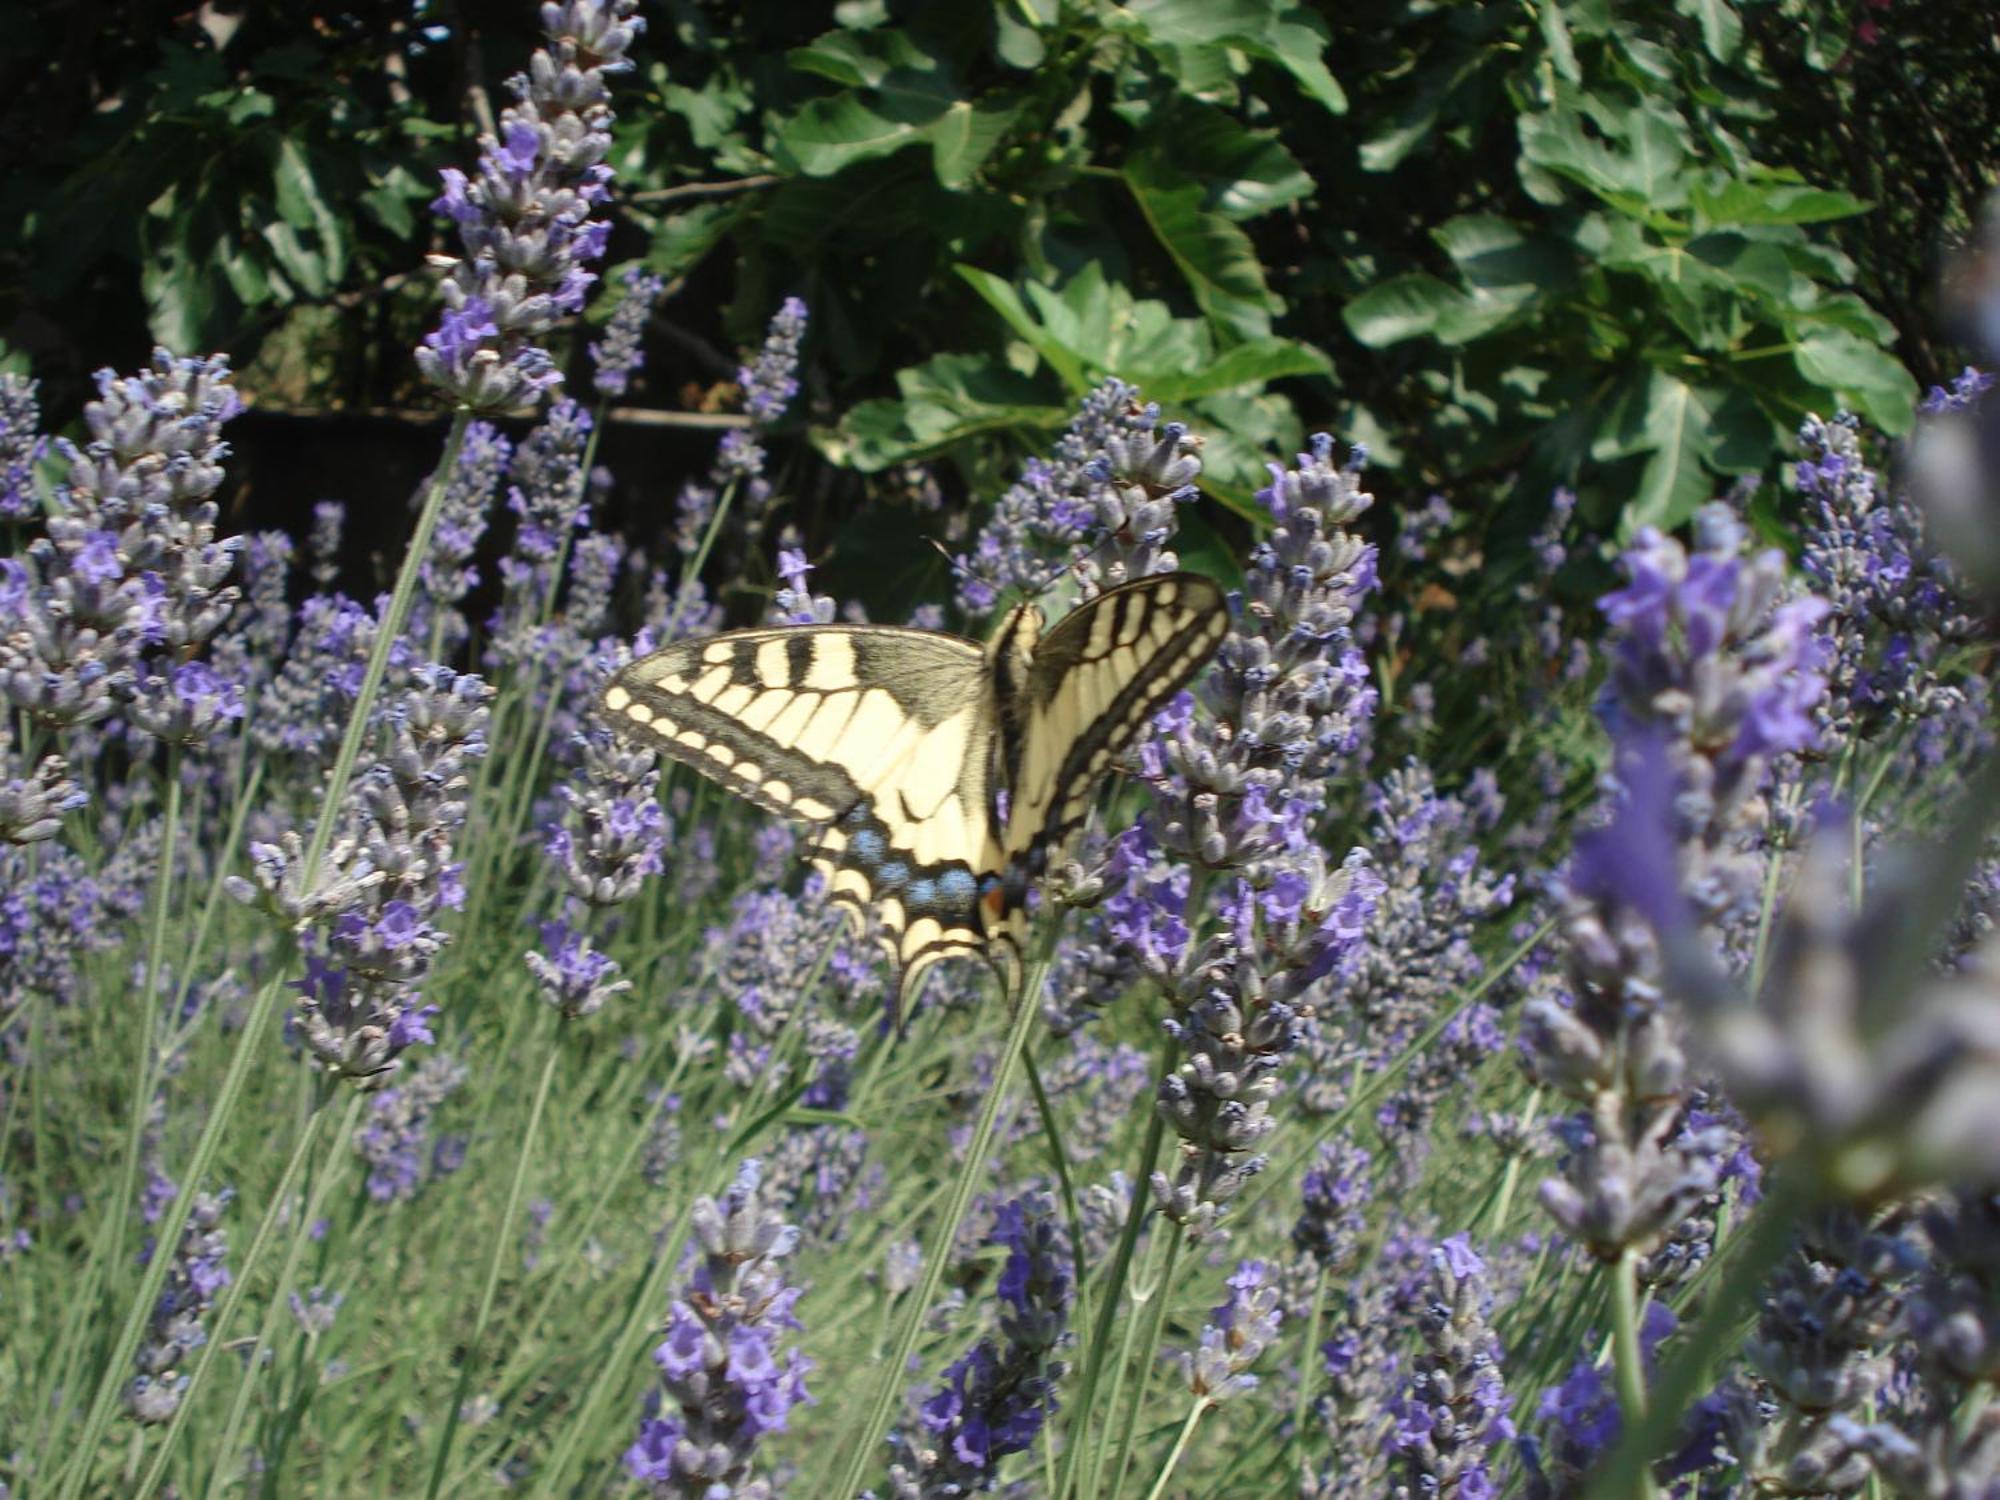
point(396, 1139)
point(1418, 530)
point(524, 218)
point(367, 923)
point(1452, 1416)
point(770, 380)
point(725, 1378)
point(1235, 1337)
point(795, 603)
point(447, 574)
point(1238, 772)
point(130, 563)
point(994, 1400)
point(1894, 614)
point(21, 447)
point(187, 706)
point(549, 495)
point(1713, 660)
point(1039, 524)
point(199, 1271)
point(574, 977)
point(32, 807)
point(622, 352)
point(1821, 1354)
point(613, 828)
point(1582, 1419)
point(1334, 1194)
point(302, 711)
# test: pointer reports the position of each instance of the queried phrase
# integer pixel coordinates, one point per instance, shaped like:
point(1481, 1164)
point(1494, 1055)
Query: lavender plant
point(1753, 1133)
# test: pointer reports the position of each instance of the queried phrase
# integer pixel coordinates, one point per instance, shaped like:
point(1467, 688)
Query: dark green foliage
point(1622, 248)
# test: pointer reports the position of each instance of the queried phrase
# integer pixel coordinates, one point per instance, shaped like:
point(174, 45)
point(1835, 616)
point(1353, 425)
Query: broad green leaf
point(1216, 258)
point(1675, 482)
point(711, 112)
point(1493, 252)
point(964, 137)
point(828, 134)
point(1412, 124)
point(1721, 27)
point(1555, 141)
point(861, 59)
point(1866, 377)
point(302, 207)
point(1403, 307)
point(1738, 261)
point(1658, 147)
point(178, 300)
point(1639, 173)
point(392, 200)
point(1298, 48)
point(1239, 367)
point(680, 240)
point(304, 265)
point(1244, 172)
point(944, 400)
point(1003, 299)
point(1556, 37)
point(1733, 201)
point(1482, 312)
point(1292, 38)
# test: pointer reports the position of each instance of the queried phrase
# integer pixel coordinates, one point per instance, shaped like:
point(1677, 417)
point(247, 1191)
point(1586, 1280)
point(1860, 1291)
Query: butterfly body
point(899, 745)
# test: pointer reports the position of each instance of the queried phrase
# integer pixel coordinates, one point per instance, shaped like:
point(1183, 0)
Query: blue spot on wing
point(867, 845)
point(892, 875)
point(958, 888)
point(923, 892)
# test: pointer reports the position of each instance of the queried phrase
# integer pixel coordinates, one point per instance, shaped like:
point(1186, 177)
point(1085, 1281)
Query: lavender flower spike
point(621, 354)
point(524, 217)
point(199, 1271)
point(1235, 1338)
point(21, 447)
point(1453, 1416)
point(994, 1400)
point(722, 1385)
point(770, 381)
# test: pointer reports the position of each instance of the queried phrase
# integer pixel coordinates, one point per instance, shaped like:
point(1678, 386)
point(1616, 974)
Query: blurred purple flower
point(524, 217)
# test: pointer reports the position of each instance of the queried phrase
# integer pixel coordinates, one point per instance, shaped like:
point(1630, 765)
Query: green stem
point(876, 1424)
point(1060, 1159)
point(225, 1312)
point(388, 629)
point(1149, 1352)
point(1140, 1293)
point(1202, 1404)
point(1627, 1358)
point(1309, 1364)
point(111, 1241)
point(1107, 1310)
point(310, 1205)
point(1767, 1236)
point(501, 1246)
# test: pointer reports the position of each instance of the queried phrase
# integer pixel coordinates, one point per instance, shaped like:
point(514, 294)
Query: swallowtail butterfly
point(941, 774)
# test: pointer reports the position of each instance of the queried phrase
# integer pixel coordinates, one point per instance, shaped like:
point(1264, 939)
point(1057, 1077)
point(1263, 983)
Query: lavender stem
point(502, 1241)
point(862, 1457)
